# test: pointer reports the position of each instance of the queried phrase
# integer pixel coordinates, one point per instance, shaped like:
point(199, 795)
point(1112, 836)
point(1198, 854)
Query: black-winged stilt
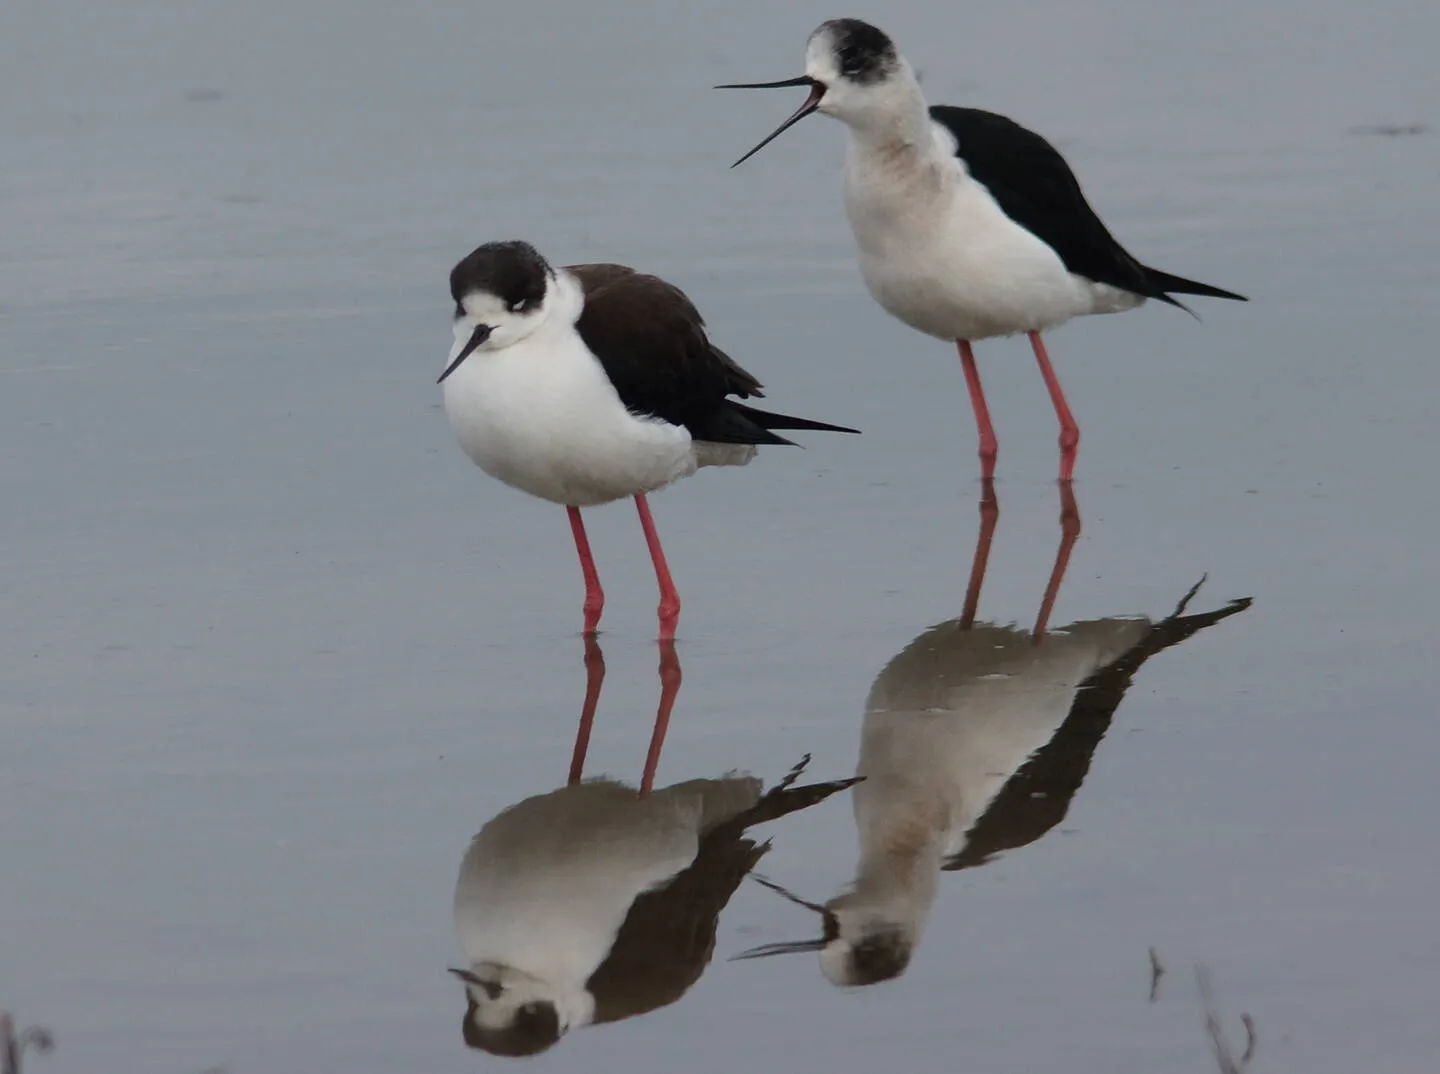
point(589, 383)
point(968, 226)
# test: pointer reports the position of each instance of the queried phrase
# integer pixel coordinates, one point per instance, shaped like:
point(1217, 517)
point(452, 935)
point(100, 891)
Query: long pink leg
point(669, 610)
point(594, 680)
point(1069, 431)
point(1069, 533)
point(989, 514)
point(669, 688)
point(989, 447)
point(594, 595)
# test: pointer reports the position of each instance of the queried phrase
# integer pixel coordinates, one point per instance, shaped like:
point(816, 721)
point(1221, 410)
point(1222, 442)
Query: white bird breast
point(937, 252)
point(542, 416)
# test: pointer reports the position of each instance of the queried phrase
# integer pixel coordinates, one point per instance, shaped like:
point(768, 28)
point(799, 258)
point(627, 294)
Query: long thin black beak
point(794, 947)
point(477, 337)
point(817, 90)
point(788, 894)
point(490, 988)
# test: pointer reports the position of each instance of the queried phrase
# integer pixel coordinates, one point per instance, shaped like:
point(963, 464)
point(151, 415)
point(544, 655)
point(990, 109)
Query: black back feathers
point(1034, 186)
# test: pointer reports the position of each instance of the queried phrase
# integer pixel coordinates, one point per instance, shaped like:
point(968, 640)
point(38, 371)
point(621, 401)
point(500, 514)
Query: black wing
point(1038, 796)
point(1033, 185)
point(651, 340)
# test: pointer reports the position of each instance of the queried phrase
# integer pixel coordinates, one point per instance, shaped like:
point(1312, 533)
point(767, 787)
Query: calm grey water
point(272, 651)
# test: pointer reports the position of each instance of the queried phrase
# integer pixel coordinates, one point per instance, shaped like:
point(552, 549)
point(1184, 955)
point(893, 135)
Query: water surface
point(273, 651)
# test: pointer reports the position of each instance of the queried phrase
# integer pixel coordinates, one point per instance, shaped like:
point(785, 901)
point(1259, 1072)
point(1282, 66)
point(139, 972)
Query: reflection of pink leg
point(594, 679)
point(989, 447)
point(669, 687)
point(1069, 532)
point(1069, 431)
point(669, 610)
point(989, 514)
point(594, 595)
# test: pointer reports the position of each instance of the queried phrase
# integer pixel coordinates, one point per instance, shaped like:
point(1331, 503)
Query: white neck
point(898, 873)
point(898, 120)
point(564, 298)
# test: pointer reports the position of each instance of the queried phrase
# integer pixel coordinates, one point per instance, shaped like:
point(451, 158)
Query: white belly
point(542, 417)
point(937, 252)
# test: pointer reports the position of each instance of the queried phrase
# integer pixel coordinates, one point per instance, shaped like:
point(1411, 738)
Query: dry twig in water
point(1219, 1042)
point(13, 1045)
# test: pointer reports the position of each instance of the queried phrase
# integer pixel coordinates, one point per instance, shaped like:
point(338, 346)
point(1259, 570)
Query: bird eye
point(519, 307)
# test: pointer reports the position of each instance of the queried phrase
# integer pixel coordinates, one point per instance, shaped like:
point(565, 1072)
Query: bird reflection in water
point(599, 901)
point(975, 739)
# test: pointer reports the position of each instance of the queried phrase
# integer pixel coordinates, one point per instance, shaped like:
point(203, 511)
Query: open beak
point(817, 90)
point(786, 893)
point(477, 337)
point(792, 947)
point(467, 977)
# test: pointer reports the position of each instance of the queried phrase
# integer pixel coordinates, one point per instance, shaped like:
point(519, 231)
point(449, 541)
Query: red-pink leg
point(1069, 431)
point(669, 610)
point(1069, 533)
point(669, 687)
point(594, 680)
point(989, 447)
point(594, 595)
point(989, 514)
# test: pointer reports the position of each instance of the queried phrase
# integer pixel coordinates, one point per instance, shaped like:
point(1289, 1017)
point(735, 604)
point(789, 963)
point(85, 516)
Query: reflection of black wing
point(668, 936)
point(1038, 796)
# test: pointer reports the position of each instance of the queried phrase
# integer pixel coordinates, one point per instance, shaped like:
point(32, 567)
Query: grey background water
point(273, 650)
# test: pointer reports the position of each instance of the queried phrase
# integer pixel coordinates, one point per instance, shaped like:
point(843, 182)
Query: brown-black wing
point(651, 341)
point(668, 936)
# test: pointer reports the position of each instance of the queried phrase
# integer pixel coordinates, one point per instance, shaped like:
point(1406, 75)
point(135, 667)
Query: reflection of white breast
point(958, 712)
point(547, 883)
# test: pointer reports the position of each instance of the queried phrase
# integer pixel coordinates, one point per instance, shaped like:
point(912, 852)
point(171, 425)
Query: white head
point(503, 292)
point(509, 1012)
point(855, 74)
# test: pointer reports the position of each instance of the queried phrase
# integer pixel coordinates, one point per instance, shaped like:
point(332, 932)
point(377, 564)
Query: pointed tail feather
point(767, 420)
point(729, 425)
point(1163, 297)
point(1164, 281)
